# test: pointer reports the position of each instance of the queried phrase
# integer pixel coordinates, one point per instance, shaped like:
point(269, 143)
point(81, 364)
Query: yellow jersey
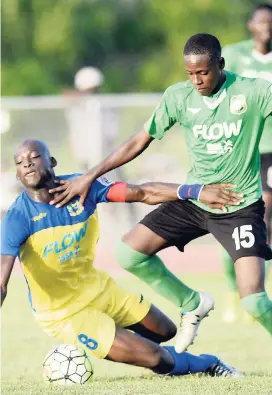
point(56, 248)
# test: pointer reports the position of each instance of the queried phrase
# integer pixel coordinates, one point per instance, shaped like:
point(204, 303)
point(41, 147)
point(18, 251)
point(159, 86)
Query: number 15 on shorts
point(243, 237)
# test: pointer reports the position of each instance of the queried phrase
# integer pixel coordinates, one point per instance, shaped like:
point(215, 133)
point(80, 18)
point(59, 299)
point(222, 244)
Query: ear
point(221, 62)
point(53, 162)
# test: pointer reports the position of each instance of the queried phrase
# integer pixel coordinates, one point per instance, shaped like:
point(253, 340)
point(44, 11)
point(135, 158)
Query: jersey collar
point(213, 101)
point(262, 58)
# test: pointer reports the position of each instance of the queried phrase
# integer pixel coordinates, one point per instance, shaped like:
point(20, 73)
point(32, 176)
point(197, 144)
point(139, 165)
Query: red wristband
point(117, 192)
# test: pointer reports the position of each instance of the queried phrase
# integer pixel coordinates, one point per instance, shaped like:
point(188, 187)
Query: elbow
point(142, 196)
point(137, 147)
point(141, 141)
point(147, 195)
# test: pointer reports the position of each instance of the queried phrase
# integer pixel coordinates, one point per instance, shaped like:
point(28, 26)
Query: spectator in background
point(93, 127)
point(84, 118)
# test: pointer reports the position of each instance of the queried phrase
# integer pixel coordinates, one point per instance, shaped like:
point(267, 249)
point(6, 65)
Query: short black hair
point(203, 43)
point(262, 6)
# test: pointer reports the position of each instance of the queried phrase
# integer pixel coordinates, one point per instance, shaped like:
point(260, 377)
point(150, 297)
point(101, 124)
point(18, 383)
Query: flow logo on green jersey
point(218, 131)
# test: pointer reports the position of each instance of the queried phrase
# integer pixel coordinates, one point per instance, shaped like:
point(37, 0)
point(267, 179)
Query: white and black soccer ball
point(66, 364)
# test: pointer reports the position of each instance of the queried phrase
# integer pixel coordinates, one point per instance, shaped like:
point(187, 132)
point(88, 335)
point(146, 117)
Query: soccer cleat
point(222, 369)
point(190, 322)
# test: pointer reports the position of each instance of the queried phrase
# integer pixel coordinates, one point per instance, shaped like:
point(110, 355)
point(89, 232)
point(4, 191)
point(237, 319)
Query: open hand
point(69, 189)
point(219, 196)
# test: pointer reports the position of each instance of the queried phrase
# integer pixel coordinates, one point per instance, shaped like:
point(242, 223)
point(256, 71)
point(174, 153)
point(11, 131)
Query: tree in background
point(136, 43)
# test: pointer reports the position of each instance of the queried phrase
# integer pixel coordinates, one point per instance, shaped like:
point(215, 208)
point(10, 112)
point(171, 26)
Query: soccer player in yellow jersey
point(70, 298)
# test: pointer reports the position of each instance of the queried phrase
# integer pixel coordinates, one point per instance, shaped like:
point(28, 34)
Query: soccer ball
point(66, 364)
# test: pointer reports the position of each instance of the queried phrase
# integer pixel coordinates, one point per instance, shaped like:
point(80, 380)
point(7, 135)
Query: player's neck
point(220, 83)
point(263, 48)
point(41, 195)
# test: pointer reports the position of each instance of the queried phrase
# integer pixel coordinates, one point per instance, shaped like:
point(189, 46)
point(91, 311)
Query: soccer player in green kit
point(222, 117)
point(253, 58)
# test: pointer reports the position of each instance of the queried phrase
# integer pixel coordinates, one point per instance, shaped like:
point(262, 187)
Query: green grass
point(246, 346)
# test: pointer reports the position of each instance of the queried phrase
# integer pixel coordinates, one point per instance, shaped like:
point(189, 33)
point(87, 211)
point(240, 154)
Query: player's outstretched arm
point(80, 186)
point(7, 263)
point(151, 192)
point(214, 195)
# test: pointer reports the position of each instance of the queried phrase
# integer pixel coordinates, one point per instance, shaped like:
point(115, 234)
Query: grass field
point(247, 346)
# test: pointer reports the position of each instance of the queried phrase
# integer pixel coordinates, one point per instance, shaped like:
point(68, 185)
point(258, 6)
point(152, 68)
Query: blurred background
point(83, 75)
point(136, 43)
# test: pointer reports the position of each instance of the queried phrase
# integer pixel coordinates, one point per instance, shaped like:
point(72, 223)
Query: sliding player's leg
point(135, 350)
point(170, 224)
point(155, 326)
point(100, 336)
point(131, 312)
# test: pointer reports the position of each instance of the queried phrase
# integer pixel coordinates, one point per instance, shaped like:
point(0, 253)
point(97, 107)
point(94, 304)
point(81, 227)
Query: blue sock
point(186, 363)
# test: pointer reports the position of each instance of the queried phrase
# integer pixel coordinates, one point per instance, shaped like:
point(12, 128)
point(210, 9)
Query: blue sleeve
point(14, 231)
point(99, 190)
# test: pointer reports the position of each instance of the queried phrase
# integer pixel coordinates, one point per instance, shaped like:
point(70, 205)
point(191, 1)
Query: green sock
point(153, 272)
point(229, 271)
point(259, 306)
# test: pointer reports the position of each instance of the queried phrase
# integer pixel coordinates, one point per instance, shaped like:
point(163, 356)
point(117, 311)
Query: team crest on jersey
point(238, 104)
point(75, 209)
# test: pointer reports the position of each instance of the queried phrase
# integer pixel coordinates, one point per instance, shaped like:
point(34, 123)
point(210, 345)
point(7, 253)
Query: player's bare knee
point(158, 323)
point(170, 332)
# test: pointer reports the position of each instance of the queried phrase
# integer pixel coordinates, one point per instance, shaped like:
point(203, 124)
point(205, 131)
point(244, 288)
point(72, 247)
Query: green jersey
point(241, 58)
point(222, 132)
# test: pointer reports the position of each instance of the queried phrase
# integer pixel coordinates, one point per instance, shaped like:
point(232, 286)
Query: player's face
point(34, 165)
point(261, 25)
point(203, 73)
